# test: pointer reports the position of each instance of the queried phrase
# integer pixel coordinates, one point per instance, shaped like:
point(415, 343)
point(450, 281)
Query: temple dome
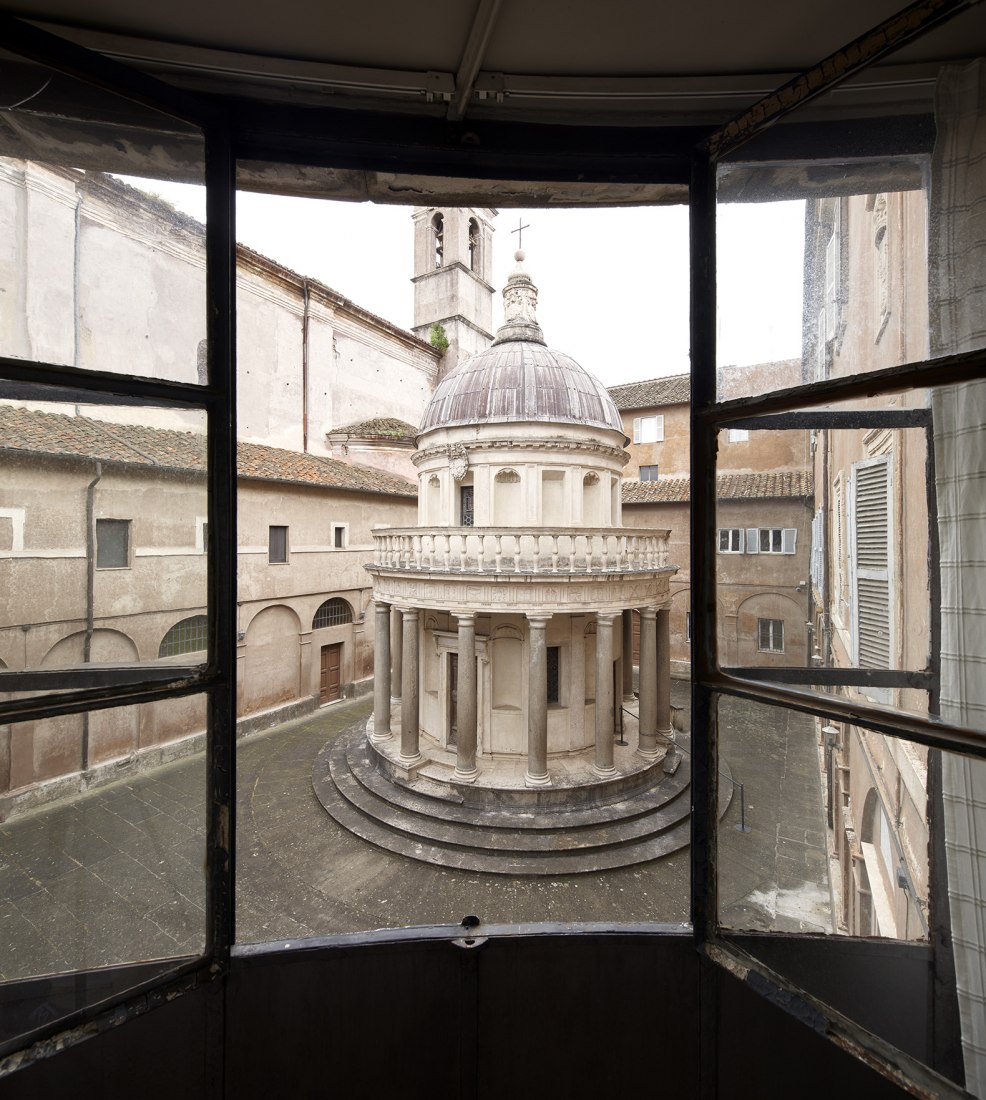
point(519, 378)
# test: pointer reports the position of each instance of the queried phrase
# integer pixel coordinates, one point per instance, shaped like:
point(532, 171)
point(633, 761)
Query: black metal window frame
point(189, 635)
point(797, 406)
point(94, 688)
point(28, 695)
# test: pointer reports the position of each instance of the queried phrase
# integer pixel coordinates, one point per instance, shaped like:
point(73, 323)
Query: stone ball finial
point(520, 255)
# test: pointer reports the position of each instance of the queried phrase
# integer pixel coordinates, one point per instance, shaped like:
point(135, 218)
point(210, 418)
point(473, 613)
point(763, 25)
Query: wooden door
point(330, 680)
point(636, 638)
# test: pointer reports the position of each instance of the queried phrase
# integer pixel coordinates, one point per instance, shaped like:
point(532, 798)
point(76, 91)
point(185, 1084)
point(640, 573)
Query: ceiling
point(620, 61)
point(477, 72)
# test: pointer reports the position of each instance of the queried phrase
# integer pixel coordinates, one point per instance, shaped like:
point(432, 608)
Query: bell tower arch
point(453, 271)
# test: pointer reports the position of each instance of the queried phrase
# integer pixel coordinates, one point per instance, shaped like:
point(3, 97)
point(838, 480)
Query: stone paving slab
point(117, 874)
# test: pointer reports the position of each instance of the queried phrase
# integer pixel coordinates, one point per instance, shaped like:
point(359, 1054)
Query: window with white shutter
point(871, 565)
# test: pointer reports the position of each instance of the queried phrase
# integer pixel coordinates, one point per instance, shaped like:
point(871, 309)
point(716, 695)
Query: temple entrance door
point(330, 679)
point(453, 697)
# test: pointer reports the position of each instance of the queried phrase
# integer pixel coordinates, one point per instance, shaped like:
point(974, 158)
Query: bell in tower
point(453, 269)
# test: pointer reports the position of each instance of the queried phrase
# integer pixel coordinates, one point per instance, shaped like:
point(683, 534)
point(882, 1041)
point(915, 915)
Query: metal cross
point(520, 232)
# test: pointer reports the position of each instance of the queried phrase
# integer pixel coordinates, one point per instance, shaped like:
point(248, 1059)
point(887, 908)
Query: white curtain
point(957, 286)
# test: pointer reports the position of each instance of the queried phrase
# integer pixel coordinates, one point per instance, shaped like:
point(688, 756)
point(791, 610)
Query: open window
point(876, 698)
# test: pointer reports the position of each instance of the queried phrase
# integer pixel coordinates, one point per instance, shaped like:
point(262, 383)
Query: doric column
point(396, 654)
point(664, 674)
point(603, 765)
point(465, 706)
point(381, 673)
point(628, 655)
point(409, 690)
point(537, 704)
point(647, 743)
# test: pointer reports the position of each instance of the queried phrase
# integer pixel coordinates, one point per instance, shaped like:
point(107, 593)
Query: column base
point(667, 735)
point(650, 754)
point(537, 780)
point(383, 735)
point(604, 773)
point(629, 698)
point(394, 700)
point(465, 776)
point(407, 766)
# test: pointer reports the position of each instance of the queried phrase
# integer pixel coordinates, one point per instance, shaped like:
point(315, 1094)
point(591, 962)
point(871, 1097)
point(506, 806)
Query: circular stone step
point(428, 820)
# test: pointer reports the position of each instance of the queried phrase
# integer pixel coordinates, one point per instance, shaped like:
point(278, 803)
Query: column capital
point(465, 617)
point(408, 612)
point(538, 619)
point(647, 612)
point(607, 617)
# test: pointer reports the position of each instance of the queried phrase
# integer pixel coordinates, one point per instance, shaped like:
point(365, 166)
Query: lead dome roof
point(519, 378)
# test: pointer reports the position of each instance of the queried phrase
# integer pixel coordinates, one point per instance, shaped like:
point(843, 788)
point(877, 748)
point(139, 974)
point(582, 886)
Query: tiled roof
point(270, 464)
point(760, 486)
point(50, 434)
point(381, 427)
point(673, 390)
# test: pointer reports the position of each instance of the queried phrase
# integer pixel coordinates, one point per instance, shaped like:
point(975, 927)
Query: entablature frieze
point(568, 446)
point(543, 593)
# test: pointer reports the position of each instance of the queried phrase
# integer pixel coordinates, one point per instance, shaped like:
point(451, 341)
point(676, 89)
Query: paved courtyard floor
point(116, 874)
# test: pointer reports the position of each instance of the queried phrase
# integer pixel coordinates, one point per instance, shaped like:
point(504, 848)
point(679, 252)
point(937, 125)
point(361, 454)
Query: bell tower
point(453, 270)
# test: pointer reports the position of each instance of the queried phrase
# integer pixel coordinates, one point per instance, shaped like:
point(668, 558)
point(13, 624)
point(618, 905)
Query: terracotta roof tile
point(756, 486)
point(673, 390)
point(381, 427)
point(52, 434)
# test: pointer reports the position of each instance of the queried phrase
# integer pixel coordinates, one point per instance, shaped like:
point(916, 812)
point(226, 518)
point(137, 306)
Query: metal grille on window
point(188, 636)
point(334, 612)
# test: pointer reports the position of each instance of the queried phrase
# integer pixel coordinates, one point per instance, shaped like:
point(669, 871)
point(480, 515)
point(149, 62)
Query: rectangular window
point(648, 473)
point(277, 545)
point(339, 536)
point(648, 429)
point(466, 506)
point(771, 540)
point(554, 679)
point(739, 435)
point(770, 635)
point(112, 543)
point(731, 540)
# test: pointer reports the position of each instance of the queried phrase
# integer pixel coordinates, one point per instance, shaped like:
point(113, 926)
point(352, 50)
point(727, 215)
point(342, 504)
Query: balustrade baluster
point(446, 551)
point(517, 552)
point(416, 545)
point(498, 552)
point(554, 553)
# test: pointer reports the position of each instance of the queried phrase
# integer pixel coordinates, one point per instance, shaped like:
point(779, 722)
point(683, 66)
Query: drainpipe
point(90, 589)
point(305, 317)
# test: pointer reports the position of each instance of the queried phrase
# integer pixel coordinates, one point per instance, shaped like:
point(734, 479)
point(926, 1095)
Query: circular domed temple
point(506, 735)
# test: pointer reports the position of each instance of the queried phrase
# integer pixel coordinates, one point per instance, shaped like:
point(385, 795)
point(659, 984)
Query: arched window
point(473, 244)
point(438, 227)
point(187, 636)
point(334, 612)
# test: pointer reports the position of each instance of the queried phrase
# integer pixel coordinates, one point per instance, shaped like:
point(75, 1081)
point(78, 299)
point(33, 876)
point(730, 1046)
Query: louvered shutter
point(752, 540)
point(789, 538)
point(872, 563)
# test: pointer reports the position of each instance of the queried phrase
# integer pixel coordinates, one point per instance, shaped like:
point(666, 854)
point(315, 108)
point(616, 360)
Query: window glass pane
point(97, 277)
point(102, 524)
point(870, 254)
point(836, 833)
point(102, 851)
point(827, 830)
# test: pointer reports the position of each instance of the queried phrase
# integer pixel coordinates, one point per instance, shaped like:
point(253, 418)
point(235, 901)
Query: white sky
point(613, 283)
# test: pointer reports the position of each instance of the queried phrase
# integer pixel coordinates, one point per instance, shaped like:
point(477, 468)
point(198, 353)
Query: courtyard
point(116, 874)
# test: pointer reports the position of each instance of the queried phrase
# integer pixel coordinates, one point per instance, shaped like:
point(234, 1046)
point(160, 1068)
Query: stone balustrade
point(525, 550)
